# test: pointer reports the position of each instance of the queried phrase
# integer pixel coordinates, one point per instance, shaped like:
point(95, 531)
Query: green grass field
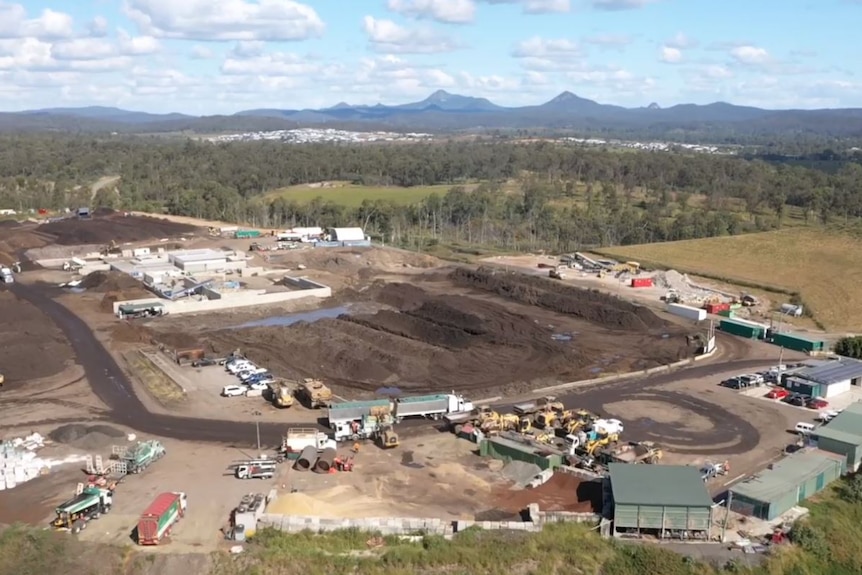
point(823, 267)
point(351, 195)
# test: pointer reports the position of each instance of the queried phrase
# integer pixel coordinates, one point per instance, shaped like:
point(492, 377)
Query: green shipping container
point(245, 234)
point(726, 313)
point(741, 329)
point(797, 342)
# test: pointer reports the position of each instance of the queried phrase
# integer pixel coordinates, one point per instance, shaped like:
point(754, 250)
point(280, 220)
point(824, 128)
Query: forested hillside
point(517, 196)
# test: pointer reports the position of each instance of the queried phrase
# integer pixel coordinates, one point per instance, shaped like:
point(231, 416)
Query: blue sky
point(222, 56)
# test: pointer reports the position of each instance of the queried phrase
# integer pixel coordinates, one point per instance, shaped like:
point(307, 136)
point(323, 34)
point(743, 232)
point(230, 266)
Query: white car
point(258, 385)
point(238, 367)
point(233, 391)
point(247, 373)
point(828, 415)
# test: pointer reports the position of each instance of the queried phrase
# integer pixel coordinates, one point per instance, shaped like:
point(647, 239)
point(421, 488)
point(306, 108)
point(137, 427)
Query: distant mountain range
point(443, 112)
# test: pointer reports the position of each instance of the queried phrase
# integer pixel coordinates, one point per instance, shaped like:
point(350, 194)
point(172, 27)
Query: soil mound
point(87, 436)
point(112, 297)
point(400, 295)
point(31, 345)
point(590, 305)
point(102, 229)
point(109, 281)
point(9, 224)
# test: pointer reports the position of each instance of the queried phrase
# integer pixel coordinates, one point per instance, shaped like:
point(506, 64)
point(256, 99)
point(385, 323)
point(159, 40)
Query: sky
point(222, 56)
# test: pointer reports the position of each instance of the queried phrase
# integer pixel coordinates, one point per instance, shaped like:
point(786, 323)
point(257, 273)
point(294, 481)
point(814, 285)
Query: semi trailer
point(140, 455)
point(89, 503)
point(158, 519)
point(430, 406)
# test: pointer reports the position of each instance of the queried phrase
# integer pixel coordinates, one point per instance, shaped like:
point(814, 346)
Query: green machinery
point(140, 455)
point(89, 503)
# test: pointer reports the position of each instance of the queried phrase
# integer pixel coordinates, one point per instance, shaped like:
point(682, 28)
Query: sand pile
point(341, 501)
point(87, 437)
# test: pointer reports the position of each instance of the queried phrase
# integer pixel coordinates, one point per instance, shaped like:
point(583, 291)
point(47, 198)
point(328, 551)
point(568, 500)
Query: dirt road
point(112, 386)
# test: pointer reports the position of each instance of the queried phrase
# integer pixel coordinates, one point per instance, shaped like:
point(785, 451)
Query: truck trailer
point(158, 519)
point(89, 503)
point(364, 427)
point(298, 438)
point(430, 406)
point(356, 410)
point(140, 455)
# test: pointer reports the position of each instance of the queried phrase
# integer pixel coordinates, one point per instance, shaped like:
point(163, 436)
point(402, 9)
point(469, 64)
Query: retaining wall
point(540, 518)
point(236, 300)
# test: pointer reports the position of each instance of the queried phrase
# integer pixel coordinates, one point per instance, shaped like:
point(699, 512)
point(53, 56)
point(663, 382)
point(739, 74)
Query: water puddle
point(306, 316)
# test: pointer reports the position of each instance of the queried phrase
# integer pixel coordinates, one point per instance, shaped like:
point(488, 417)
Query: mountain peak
point(564, 97)
point(439, 96)
point(653, 106)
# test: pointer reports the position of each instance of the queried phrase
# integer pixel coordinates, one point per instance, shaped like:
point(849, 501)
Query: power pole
point(257, 415)
point(726, 515)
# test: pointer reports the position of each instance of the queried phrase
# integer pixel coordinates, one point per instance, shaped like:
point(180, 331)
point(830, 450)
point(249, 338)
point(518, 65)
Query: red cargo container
point(641, 282)
point(716, 307)
point(159, 517)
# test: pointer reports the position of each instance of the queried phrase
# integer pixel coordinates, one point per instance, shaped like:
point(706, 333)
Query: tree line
point(514, 195)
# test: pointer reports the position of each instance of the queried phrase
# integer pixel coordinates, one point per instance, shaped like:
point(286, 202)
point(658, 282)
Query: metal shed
point(346, 234)
point(785, 484)
point(843, 435)
point(659, 498)
point(509, 450)
point(834, 377)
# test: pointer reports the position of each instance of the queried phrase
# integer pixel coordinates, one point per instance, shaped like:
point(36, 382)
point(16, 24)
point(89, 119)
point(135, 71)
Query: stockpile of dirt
point(109, 281)
point(563, 492)
point(445, 342)
point(102, 229)
point(112, 297)
point(31, 346)
point(590, 305)
point(87, 436)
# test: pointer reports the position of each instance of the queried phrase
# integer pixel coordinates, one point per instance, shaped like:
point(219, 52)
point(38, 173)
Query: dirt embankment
point(31, 346)
point(442, 342)
point(106, 226)
point(590, 305)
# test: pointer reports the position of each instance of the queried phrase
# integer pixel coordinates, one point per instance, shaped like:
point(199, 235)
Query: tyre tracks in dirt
point(113, 388)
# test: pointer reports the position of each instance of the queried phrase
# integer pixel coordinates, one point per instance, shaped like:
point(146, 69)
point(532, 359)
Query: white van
point(804, 428)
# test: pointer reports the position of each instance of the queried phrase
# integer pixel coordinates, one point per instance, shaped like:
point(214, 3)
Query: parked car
point(236, 368)
point(816, 403)
point(778, 393)
point(828, 415)
point(205, 362)
point(259, 378)
point(246, 373)
point(252, 374)
point(750, 379)
point(258, 385)
point(796, 399)
point(233, 390)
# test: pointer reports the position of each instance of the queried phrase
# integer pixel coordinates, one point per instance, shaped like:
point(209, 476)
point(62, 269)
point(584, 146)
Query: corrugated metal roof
point(669, 485)
point(846, 426)
point(833, 371)
point(786, 475)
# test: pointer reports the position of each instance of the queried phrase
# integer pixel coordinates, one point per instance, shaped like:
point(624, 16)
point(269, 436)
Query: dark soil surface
point(104, 227)
point(87, 437)
point(31, 346)
point(435, 342)
point(563, 492)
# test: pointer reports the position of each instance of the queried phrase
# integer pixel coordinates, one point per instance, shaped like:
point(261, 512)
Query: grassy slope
point(825, 268)
point(350, 195)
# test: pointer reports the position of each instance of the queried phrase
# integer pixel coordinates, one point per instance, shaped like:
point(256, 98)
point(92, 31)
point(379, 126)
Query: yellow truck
point(282, 394)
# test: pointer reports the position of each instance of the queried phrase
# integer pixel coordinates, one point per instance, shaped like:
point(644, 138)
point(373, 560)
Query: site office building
point(828, 379)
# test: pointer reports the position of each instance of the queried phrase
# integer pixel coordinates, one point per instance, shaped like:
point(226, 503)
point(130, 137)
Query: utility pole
point(257, 415)
point(726, 515)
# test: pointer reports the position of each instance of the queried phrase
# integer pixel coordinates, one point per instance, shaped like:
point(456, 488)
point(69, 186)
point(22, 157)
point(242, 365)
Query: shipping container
point(798, 342)
point(716, 308)
point(245, 234)
point(742, 328)
point(726, 313)
point(641, 282)
point(156, 521)
point(685, 311)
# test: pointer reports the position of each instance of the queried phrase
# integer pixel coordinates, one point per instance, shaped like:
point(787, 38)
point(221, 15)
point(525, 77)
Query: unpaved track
point(111, 385)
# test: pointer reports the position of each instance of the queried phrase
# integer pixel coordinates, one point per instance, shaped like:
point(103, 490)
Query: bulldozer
point(504, 422)
point(548, 418)
point(387, 438)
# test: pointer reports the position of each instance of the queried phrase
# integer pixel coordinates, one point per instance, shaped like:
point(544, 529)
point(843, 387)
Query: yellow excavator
point(592, 446)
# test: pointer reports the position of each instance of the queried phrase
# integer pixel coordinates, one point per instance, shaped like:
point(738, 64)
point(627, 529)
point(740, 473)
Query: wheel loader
point(387, 438)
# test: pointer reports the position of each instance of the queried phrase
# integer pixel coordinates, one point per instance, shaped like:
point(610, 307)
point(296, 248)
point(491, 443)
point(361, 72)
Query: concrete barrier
point(233, 301)
point(540, 518)
point(623, 376)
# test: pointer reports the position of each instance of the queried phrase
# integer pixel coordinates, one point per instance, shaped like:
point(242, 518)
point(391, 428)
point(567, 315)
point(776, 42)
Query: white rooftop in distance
point(189, 256)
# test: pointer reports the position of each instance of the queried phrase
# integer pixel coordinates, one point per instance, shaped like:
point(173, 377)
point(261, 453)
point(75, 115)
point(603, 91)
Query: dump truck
point(541, 404)
point(282, 394)
point(430, 406)
point(298, 438)
point(140, 455)
point(313, 393)
point(255, 469)
point(158, 519)
point(89, 503)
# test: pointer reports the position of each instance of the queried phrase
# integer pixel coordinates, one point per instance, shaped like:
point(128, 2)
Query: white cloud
point(619, 5)
point(388, 37)
point(670, 55)
point(98, 27)
point(447, 11)
point(199, 52)
point(219, 20)
point(275, 64)
point(49, 25)
point(546, 48)
point(615, 41)
point(537, 6)
point(89, 49)
point(750, 55)
point(247, 49)
point(681, 42)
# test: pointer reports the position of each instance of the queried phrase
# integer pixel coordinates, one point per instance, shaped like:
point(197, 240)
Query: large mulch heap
point(106, 225)
point(87, 436)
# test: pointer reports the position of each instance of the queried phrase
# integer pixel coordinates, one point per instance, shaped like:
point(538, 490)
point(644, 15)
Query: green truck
point(140, 455)
point(158, 519)
point(90, 503)
point(246, 234)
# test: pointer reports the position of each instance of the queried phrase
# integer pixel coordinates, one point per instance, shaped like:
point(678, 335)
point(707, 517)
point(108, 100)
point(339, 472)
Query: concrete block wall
point(235, 300)
point(540, 518)
point(383, 525)
point(581, 473)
